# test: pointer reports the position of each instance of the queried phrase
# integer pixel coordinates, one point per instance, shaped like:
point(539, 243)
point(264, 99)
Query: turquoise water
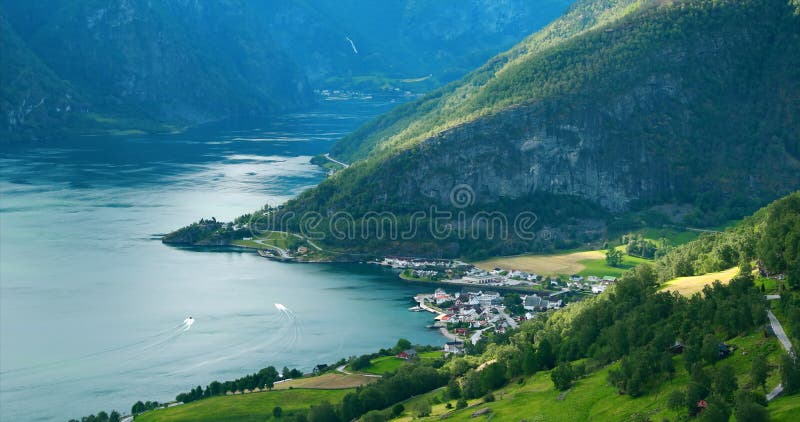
point(91, 301)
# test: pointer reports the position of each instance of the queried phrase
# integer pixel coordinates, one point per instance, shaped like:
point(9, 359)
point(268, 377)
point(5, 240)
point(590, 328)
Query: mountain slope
point(157, 65)
point(29, 90)
point(180, 61)
point(453, 105)
point(622, 104)
point(634, 352)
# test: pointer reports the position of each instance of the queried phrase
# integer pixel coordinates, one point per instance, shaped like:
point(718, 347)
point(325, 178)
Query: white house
point(455, 347)
point(554, 305)
point(441, 296)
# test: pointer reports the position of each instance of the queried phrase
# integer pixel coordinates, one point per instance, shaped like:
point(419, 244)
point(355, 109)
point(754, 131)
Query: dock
point(442, 329)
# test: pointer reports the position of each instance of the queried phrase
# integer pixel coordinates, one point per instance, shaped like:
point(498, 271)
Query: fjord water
point(91, 301)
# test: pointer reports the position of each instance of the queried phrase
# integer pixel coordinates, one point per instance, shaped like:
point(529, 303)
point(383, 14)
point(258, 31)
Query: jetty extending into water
point(442, 329)
point(276, 255)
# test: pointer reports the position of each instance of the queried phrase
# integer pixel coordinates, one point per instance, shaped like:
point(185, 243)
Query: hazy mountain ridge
point(34, 92)
point(160, 65)
point(178, 62)
point(400, 43)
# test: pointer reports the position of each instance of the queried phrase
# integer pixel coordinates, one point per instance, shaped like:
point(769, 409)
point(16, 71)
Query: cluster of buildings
point(594, 284)
point(467, 314)
point(465, 298)
point(512, 278)
point(458, 272)
point(499, 277)
point(424, 264)
point(479, 307)
point(341, 94)
point(536, 303)
point(344, 94)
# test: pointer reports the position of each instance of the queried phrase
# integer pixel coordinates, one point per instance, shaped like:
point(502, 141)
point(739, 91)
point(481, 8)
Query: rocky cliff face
point(585, 151)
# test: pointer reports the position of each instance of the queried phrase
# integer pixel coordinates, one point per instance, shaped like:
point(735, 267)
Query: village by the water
point(470, 301)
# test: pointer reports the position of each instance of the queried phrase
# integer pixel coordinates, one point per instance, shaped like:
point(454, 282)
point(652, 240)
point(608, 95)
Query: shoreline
point(283, 256)
point(443, 330)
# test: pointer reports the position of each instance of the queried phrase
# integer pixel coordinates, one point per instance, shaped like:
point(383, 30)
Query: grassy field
point(436, 354)
point(592, 398)
point(288, 242)
point(770, 284)
point(785, 409)
point(568, 263)
point(278, 239)
point(585, 263)
point(688, 286)
point(675, 237)
point(383, 365)
point(328, 381)
point(256, 407)
point(599, 267)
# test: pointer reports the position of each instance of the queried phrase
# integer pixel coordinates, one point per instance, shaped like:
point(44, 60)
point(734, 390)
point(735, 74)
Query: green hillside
point(617, 108)
point(25, 81)
point(612, 357)
point(256, 407)
point(594, 43)
point(456, 103)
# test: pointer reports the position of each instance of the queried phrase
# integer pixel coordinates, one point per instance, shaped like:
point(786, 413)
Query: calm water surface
point(91, 301)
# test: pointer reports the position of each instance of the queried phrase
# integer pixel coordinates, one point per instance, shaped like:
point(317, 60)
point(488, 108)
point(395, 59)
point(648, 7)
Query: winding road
point(777, 328)
point(283, 252)
point(346, 372)
point(328, 156)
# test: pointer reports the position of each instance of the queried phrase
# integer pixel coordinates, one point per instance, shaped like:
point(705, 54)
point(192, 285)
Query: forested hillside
point(617, 107)
point(22, 98)
point(635, 352)
point(157, 62)
point(454, 104)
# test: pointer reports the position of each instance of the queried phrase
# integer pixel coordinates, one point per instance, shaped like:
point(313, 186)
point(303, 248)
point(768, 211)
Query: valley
point(403, 210)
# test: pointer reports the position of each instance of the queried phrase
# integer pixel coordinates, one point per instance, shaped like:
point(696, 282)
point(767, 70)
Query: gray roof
point(533, 300)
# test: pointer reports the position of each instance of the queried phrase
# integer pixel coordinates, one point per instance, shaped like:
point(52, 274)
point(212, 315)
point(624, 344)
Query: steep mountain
point(162, 64)
point(184, 62)
point(30, 91)
point(618, 106)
